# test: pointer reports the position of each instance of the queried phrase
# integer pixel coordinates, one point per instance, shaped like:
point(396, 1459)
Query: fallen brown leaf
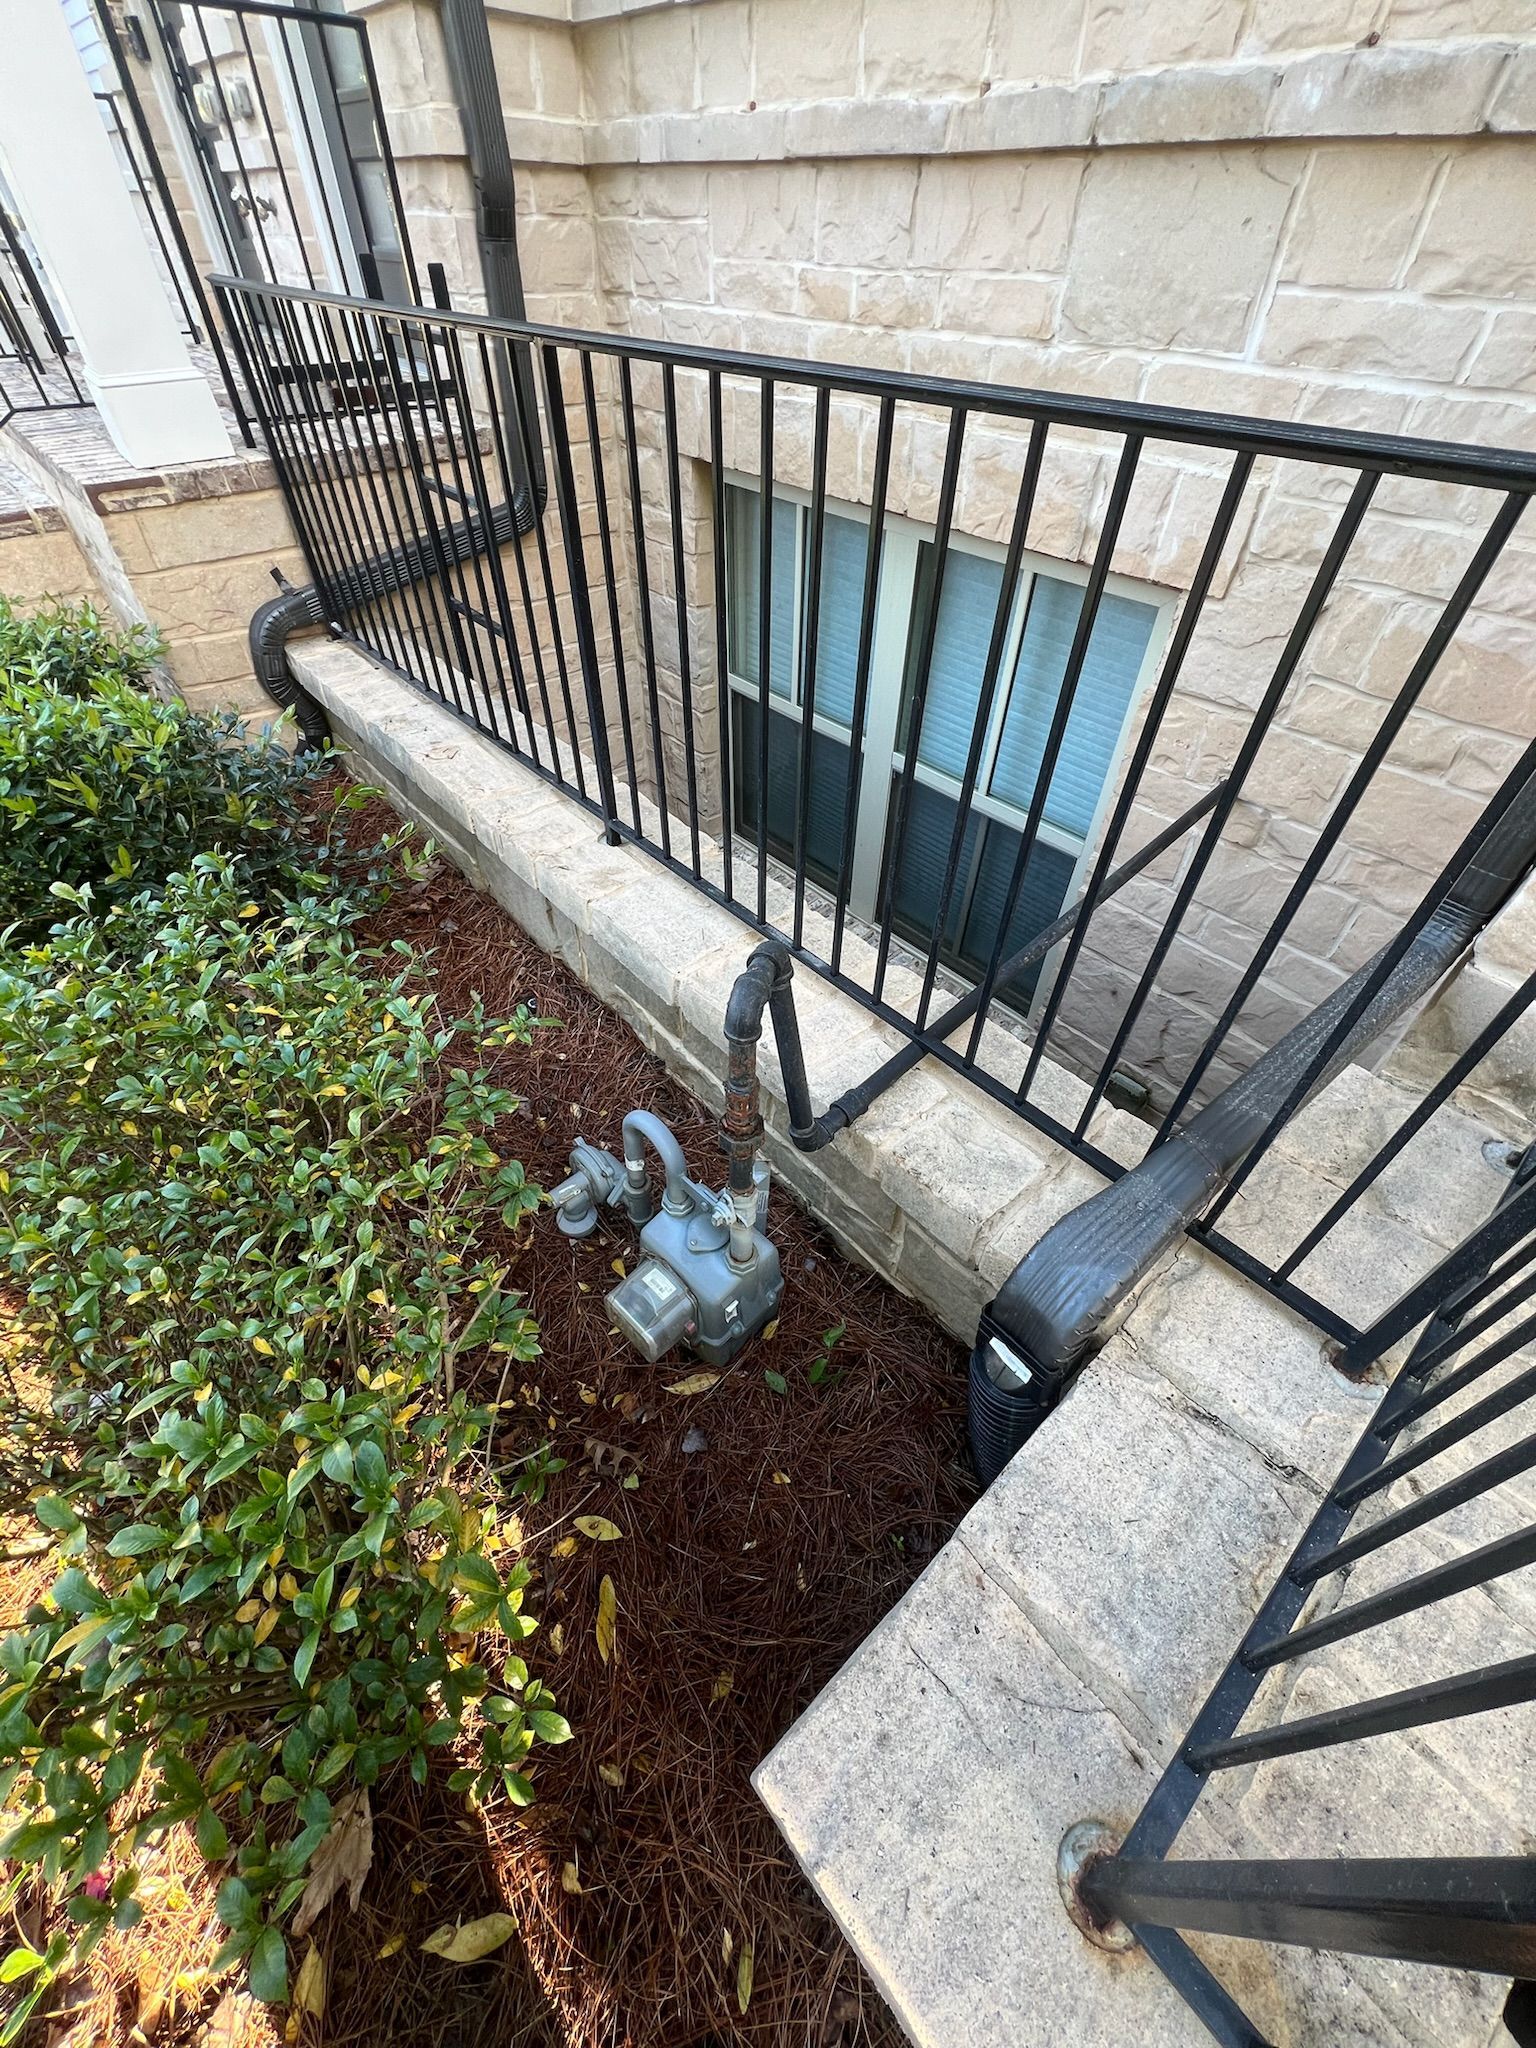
point(342, 1859)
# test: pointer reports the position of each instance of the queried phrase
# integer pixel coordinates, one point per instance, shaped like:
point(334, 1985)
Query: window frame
point(882, 760)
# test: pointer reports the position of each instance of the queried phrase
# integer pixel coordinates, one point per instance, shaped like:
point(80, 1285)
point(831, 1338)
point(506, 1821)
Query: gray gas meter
point(708, 1277)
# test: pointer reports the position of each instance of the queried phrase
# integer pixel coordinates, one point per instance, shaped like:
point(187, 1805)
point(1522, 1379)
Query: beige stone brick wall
point(1320, 214)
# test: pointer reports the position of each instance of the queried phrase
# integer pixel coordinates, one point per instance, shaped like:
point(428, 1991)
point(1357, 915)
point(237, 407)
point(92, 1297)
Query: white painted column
point(59, 166)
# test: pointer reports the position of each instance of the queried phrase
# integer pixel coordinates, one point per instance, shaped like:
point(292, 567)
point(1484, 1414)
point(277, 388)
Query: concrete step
point(1441, 1186)
point(1052, 1658)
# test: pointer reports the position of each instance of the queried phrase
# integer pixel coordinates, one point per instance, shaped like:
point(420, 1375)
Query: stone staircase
point(1051, 1658)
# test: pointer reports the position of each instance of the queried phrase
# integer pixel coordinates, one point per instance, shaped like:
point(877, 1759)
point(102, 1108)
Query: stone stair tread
point(925, 1793)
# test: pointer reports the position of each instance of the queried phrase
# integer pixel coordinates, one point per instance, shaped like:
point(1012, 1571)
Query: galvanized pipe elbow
point(641, 1129)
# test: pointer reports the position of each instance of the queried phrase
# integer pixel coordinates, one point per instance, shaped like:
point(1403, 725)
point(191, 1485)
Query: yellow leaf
point(333, 1088)
point(607, 1619)
point(348, 1599)
point(726, 1944)
point(419, 1885)
point(744, 1977)
point(696, 1383)
point(570, 1879)
point(392, 1947)
point(260, 1344)
point(611, 1775)
point(721, 1689)
point(288, 1585)
point(309, 1987)
point(566, 1547)
point(618, 1267)
point(770, 1331)
point(251, 910)
point(599, 1528)
point(249, 1611)
point(781, 1479)
point(476, 1938)
point(265, 1626)
point(557, 1639)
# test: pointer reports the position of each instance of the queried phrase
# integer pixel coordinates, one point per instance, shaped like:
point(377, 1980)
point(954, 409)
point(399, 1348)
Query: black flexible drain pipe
point(280, 617)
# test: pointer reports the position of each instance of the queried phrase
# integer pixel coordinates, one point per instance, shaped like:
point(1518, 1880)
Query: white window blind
point(844, 546)
point(745, 523)
point(1121, 631)
point(967, 607)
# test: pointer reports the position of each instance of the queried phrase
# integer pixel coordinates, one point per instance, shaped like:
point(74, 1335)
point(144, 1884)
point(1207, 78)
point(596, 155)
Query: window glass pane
point(1120, 635)
point(743, 524)
point(987, 856)
point(967, 609)
point(1043, 891)
point(844, 547)
point(826, 811)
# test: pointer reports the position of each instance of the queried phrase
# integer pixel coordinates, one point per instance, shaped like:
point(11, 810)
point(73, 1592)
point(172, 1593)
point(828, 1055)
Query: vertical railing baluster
point(722, 643)
point(991, 674)
point(576, 570)
point(812, 644)
point(610, 584)
point(874, 554)
point(680, 606)
point(643, 599)
point(764, 632)
point(922, 669)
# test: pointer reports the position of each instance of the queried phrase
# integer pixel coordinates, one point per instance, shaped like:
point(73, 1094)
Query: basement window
point(1036, 649)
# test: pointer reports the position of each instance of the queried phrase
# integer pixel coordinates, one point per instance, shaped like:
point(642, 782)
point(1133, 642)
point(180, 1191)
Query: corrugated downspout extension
point(473, 69)
point(376, 576)
point(1056, 1306)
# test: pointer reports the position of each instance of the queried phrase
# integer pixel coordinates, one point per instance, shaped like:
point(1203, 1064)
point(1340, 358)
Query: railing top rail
point(1505, 469)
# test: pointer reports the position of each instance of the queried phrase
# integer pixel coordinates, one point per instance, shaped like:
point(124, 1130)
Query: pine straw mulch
point(748, 1571)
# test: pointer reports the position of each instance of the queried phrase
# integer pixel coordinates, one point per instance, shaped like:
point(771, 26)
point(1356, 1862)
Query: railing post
point(581, 603)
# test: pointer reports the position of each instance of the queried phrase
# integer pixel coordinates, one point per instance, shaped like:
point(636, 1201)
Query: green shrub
point(71, 647)
point(242, 1169)
point(116, 790)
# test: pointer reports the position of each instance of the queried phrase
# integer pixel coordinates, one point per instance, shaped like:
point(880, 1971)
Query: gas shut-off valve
point(708, 1277)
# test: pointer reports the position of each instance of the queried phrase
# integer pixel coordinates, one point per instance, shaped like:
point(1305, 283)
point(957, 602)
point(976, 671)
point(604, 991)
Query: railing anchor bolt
point(1086, 1843)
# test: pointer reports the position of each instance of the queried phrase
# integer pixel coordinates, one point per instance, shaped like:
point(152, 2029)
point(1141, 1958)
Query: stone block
point(1477, 238)
point(1080, 1531)
point(1356, 218)
point(1184, 104)
point(1388, 89)
point(803, 52)
point(1122, 36)
point(1005, 216)
point(1033, 44)
point(1257, 1368)
point(763, 214)
point(911, 48)
point(1386, 336)
point(957, 1170)
point(863, 215)
point(1008, 308)
point(209, 530)
point(656, 938)
point(1214, 216)
point(1024, 119)
point(943, 1875)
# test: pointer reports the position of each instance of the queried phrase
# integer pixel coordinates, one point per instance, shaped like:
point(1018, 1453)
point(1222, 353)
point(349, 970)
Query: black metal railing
point(36, 374)
point(991, 788)
point(1452, 1419)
